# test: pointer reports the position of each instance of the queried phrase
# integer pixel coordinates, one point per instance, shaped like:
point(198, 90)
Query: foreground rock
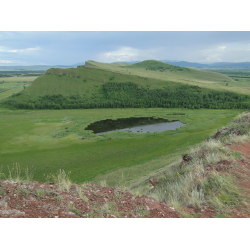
point(49, 200)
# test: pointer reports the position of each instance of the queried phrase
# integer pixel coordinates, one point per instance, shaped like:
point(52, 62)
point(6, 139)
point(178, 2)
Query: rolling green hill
point(163, 71)
point(203, 79)
point(98, 85)
point(120, 64)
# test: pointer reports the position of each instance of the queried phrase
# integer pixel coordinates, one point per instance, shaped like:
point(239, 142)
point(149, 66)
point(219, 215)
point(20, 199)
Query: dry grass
point(18, 174)
point(81, 194)
point(62, 179)
point(188, 185)
point(103, 183)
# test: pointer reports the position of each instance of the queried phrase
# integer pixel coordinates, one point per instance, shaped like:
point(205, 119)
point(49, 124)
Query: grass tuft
point(81, 194)
point(40, 192)
point(62, 179)
point(15, 173)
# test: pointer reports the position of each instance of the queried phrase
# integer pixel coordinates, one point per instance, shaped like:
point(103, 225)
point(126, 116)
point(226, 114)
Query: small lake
point(134, 125)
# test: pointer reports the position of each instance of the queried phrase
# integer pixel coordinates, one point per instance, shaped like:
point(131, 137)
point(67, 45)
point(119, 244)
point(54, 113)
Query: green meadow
point(241, 79)
point(49, 140)
point(46, 140)
point(13, 85)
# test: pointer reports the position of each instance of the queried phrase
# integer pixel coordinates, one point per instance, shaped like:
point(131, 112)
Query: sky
point(71, 47)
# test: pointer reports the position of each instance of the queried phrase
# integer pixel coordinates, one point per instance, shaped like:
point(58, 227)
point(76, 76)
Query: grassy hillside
point(166, 72)
point(83, 82)
point(120, 64)
point(201, 78)
point(92, 87)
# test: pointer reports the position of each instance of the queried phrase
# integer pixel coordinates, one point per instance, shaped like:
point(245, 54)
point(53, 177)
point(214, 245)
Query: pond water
point(134, 125)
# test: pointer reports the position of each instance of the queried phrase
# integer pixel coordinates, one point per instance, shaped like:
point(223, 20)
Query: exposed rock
point(112, 216)
point(218, 134)
point(11, 213)
point(154, 181)
point(185, 160)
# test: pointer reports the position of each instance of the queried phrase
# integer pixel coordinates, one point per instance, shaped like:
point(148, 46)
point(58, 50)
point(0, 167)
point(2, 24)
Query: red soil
point(23, 201)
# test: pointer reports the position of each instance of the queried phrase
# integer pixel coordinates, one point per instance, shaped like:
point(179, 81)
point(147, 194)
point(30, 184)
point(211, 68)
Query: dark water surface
point(134, 125)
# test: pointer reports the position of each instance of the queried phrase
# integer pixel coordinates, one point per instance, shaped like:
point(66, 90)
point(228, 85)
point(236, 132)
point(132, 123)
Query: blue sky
point(69, 47)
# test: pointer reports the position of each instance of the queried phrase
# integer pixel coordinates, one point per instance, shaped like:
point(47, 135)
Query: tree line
point(131, 95)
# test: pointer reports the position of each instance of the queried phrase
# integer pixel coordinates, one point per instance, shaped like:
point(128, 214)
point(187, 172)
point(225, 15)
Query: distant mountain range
point(217, 65)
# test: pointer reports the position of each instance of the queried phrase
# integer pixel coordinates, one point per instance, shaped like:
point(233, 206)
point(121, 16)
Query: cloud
point(128, 54)
point(3, 49)
point(30, 49)
point(222, 47)
point(236, 52)
point(122, 54)
point(6, 61)
point(8, 50)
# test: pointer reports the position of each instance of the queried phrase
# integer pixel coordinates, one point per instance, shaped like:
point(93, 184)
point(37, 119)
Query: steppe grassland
point(9, 92)
point(39, 139)
point(197, 77)
point(13, 85)
point(18, 79)
point(241, 79)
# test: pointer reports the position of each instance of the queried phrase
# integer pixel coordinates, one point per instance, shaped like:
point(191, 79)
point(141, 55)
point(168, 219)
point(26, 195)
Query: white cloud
point(222, 47)
point(28, 49)
point(234, 52)
point(122, 54)
point(3, 49)
point(8, 50)
point(127, 54)
point(8, 61)
point(214, 54)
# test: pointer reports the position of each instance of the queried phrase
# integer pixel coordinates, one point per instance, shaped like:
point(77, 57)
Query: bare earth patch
point(45, 200)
